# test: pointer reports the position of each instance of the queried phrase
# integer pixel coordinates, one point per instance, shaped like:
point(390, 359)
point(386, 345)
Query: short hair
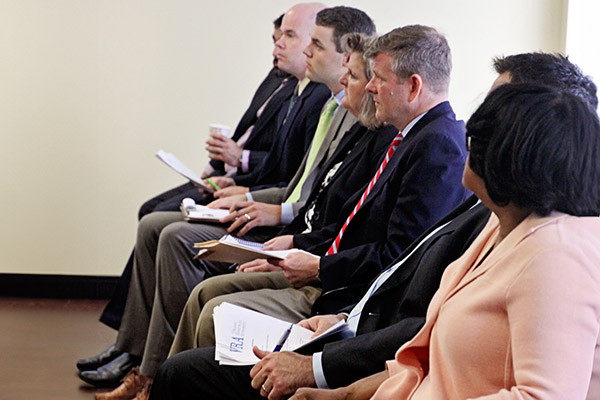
point(417, 49)
point(537, 147)
point(277, 22)
point(550, 69)
point(345, 20)
point(359, 43)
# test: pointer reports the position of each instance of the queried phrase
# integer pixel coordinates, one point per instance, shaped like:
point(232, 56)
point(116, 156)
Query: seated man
point(393, 309)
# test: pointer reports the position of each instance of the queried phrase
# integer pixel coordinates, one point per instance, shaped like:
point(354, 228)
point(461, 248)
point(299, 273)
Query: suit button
point(316, 216)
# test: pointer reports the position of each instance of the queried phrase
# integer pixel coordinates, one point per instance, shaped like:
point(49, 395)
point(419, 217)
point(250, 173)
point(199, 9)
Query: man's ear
point(415, 85)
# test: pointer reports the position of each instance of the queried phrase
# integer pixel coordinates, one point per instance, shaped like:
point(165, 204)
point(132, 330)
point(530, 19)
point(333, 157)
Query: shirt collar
point(412, 123)
point(302, 84)
point(338, 97)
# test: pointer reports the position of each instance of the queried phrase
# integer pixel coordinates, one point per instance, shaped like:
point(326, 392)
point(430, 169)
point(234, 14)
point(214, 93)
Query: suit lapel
point(353, 136)
point(273, 107)
point(390, 169)
point(406, 270)
point(334, 130)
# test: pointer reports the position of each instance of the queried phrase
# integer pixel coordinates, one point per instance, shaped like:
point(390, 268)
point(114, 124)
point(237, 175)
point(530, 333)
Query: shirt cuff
point(287, 213)
point(245, 160)
point(249, 196)
point(318, 371)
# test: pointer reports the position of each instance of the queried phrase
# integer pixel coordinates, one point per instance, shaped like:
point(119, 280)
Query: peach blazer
point(524, 324)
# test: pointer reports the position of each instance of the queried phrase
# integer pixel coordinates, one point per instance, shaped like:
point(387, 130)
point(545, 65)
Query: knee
point(145, 209)
point(148, 226)
point(209, 289)
point(172, 236)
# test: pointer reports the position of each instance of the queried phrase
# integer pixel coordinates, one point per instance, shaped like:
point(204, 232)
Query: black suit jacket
point(262, 135)
point(421, 184)
point(292, 140)
point(360, 152)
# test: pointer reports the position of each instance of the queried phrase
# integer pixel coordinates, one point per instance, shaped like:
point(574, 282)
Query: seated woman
point(517, 316)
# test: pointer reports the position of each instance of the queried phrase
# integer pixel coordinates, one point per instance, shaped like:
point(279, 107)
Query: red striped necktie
point(336, 243)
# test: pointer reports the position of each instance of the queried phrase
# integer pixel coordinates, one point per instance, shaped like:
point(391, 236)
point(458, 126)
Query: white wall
point(91, 89)
point(583, 34)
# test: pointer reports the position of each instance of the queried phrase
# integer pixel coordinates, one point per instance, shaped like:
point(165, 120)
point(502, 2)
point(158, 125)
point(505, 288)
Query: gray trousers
point(266, 292)
point(164, 274)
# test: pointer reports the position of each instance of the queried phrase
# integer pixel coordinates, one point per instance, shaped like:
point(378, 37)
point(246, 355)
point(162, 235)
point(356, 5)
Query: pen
point(283, 338)
point(233, 267)
point(211, 183)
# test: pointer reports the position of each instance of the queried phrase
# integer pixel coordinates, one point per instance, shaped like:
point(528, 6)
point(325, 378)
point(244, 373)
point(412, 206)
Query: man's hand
point(281, 373)
point(284, 242)
point(229, 191)
point(319, 394)
point(221, 181)
point(320, 323)
point(250, 214)
point(226, 202)
point(223, 149)
point(300, 268)
point(258, 265)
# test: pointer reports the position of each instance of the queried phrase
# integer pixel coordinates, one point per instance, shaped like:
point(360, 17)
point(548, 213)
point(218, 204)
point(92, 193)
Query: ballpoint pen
point(283, 338)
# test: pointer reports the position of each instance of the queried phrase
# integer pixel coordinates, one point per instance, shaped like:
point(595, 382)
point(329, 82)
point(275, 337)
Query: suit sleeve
point(429, 188)
point(270, 195)
point(349, 360)
point(255, 158)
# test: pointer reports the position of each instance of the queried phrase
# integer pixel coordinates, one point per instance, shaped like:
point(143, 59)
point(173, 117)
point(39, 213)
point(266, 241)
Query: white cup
point(220, 129)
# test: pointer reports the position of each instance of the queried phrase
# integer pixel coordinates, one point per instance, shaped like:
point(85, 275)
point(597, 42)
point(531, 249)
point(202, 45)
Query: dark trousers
point(167, 201)
point(194, 374)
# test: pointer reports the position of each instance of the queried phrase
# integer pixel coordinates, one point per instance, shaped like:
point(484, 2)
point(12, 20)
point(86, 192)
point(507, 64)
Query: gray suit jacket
point(342, 121)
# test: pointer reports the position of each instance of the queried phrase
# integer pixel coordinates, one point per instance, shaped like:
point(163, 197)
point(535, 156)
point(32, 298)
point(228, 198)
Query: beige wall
point(92, 89)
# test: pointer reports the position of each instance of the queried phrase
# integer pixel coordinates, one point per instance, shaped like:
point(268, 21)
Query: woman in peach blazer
point(518, 315)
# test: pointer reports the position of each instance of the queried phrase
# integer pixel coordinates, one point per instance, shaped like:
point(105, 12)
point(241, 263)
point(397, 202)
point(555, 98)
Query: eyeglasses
point(470, 139)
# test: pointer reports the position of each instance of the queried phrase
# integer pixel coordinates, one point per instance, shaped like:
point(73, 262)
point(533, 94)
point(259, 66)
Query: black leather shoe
point(95, 362)
point(110, 375)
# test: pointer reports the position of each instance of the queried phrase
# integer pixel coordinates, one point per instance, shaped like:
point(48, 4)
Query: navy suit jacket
point(261, 138)
point(292, 140)
point(421, 184)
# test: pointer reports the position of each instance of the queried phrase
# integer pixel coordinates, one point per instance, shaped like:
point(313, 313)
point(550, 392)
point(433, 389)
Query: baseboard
point(57, 286)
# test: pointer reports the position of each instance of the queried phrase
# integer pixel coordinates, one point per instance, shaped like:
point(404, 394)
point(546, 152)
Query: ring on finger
point(247, 217)
point(264, 388)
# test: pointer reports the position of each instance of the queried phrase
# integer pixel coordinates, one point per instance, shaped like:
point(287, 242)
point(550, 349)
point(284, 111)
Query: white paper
point(180, 168)
point(238, 329)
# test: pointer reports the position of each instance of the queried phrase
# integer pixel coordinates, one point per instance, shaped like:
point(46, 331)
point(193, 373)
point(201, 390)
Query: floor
point(40, 341)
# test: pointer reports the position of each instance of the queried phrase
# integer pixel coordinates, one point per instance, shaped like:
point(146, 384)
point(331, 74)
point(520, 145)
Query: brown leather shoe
point(144, 394)
point(132, 384)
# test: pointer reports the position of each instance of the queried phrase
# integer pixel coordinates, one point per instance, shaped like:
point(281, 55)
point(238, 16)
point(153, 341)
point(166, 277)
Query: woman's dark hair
point(539, 148)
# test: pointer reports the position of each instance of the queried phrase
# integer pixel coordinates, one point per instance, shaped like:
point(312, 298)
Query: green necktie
point(320, 133)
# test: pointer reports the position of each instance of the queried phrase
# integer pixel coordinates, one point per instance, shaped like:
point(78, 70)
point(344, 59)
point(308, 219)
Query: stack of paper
point(238, 329)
